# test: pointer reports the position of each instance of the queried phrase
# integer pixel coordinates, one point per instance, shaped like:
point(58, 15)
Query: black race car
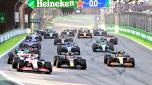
point(70, 60)
point(68, 33)
point(34, 37)
point(50, 34)
point(62, 40)
point(68, 47)
point(99, 32)
point(30, 44)
point(41, 32)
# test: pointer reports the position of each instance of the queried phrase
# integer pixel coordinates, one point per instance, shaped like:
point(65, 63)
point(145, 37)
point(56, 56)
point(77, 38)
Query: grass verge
point(138, 39)
point(10, 43)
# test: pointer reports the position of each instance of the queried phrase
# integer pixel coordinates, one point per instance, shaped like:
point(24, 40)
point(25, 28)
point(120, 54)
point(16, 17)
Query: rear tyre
point(111, 47)
point(10, 58)
point(59, 49)
point(59, 62)
point(15, 62)
point(106, 58)
point(49, 67)
point(94, 47)
point(20, 65)
point(77, 49)
point(109, 60)
point(83, 64)
point(132, 61)
point(55, 60)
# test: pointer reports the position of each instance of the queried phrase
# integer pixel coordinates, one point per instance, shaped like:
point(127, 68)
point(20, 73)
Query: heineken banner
point(68, 3)
point(52, 3)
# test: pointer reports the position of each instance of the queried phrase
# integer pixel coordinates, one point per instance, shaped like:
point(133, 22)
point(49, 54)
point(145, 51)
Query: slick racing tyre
point(94, 46)
point(20, 65)
point(83, 64)
point(132, 61)
point(49, 67)
point(109, 60)
point(106, 58)
point(55, 60)
point(10, 58)
point(59, 62)
point(15, 62)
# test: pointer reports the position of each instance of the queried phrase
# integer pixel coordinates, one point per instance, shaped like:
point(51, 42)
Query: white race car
point(34, 64)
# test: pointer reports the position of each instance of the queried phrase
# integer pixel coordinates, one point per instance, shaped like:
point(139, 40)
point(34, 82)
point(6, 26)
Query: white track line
point(2, 73)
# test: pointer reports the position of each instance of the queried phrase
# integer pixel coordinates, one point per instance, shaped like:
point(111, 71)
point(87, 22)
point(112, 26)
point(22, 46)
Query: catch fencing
point(138, 24)
point(141, 21)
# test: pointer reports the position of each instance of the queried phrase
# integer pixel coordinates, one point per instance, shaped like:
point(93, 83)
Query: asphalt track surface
point(97, 72)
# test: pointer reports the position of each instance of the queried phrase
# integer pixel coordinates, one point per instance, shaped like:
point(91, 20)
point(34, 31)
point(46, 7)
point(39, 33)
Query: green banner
point(2, 17)
point(52, 3)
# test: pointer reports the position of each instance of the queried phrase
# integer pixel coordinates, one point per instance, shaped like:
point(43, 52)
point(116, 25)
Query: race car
point(35, 65)
point(99, 32)
point(50, 35)
point(30, 44)
point(68, 47)
point(21, 52)
point(102, 45)
point(71, 30)
point(112, 39)
point(70, 61)
point(69, 33)
point(119, 58)
point(62, 40)
point(41, 32)
point(21, 55)
point(84, 33)
point(34, 37)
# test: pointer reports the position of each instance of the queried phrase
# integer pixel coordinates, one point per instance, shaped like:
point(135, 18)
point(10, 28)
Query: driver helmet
point(70, 53)
point(120, 52)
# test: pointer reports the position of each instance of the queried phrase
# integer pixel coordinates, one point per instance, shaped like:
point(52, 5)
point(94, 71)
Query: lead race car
point(84, 33)
point(70, 60)
point(119, 58)
point(102, 45)
point(68, 47)
point(35, 65)
point(62, 40)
